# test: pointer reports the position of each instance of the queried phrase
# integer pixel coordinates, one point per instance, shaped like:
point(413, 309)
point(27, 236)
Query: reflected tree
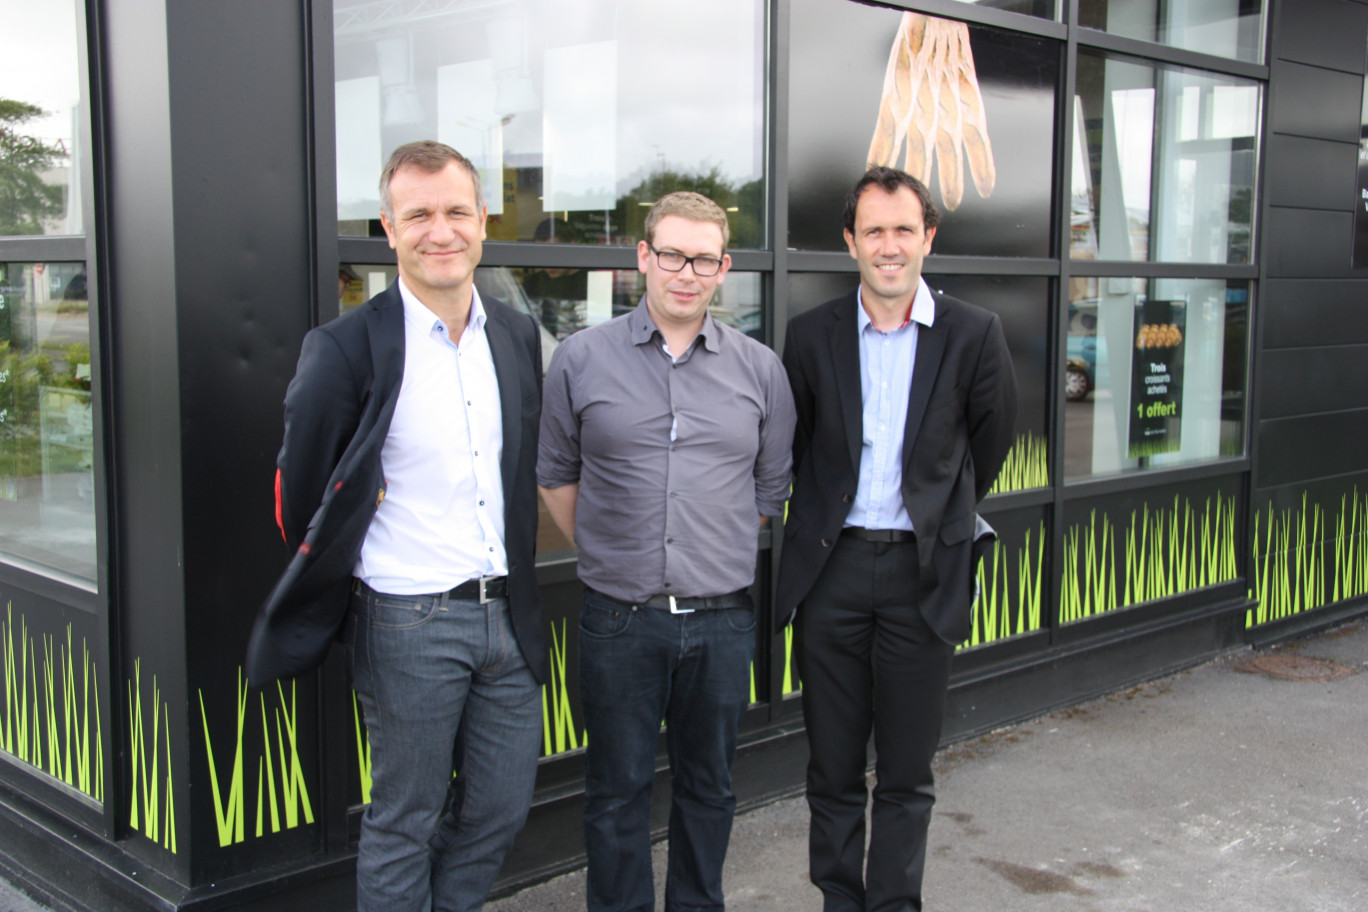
point(25, 199)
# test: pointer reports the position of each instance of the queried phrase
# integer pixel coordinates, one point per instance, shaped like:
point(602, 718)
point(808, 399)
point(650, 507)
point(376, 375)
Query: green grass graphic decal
point(559, 731)
point(1165, 552)
point(363, 750)
point(1003, 609)
point(1027, 466)
point(791, 682)
point(50, 719)
point(1290, 568)
point(280, 785)
point(158, 817)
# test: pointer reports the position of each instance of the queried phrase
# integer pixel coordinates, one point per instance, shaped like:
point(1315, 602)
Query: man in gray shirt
point(665, 438)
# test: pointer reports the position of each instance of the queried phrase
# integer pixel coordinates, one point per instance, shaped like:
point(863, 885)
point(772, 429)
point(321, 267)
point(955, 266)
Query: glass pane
point(1228, 28)
point(1155, 373)
point(1195, 202)
point(969, 109)
point(1041, 8)
point(579, 113)
point(565, 300)
point(47, 502)
point(41, 103)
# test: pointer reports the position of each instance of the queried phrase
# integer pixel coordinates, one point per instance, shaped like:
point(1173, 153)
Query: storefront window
point(1163, 164)
point(1155, 373)
point(1228, 28)
point(41, 105)
point(578, 113)
point(47, 500)
point(967, 108)
point(564, 301)
point(1041, 8)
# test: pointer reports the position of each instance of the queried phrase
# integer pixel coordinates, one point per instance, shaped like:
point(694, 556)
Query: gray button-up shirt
point(676, 461)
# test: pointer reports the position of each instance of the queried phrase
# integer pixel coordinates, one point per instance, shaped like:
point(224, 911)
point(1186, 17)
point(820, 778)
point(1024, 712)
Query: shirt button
point(482, 503)
point(826, 543)
point(669, 541)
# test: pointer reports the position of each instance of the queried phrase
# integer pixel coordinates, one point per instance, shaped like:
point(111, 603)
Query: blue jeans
point(443, 686)
point(638, 666)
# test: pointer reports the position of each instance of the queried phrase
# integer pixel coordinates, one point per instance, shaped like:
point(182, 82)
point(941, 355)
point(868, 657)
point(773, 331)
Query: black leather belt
point(678, 605)
point(485, 589)
point(879, 535)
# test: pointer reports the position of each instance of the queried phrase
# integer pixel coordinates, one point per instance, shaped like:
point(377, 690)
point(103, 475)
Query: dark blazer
point(329, 479)
point(960, 424)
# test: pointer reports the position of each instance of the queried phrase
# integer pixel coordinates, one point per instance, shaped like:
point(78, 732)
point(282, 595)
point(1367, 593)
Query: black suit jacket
point(330, 481)
point(961, 415)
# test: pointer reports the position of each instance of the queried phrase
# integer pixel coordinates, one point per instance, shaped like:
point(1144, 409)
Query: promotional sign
point(1157, 378)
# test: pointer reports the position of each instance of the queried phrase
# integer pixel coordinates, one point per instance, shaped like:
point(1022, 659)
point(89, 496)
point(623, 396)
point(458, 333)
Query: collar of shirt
point(923, 309)
point(418, 316)
point(643, 328)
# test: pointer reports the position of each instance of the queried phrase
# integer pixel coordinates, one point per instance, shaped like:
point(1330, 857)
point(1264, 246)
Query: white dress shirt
point(442, 518)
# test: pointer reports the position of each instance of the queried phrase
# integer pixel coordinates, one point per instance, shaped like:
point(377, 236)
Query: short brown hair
point(693, 206)
point(431, 157)
point(890, 180)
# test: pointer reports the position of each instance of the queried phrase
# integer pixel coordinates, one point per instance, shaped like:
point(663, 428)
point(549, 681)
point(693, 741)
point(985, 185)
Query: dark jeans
point(868, 660)
point(638, 666)
point(441, 682)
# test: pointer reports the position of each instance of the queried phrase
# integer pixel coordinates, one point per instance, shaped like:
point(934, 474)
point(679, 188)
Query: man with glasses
point(665, 442)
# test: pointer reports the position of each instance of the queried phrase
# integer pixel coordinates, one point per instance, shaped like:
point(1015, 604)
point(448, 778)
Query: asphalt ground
point(1240, 785)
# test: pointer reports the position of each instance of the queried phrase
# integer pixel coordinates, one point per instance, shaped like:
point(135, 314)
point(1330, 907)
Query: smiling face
point(678, 300)
point(437, 231)
point(889, 243)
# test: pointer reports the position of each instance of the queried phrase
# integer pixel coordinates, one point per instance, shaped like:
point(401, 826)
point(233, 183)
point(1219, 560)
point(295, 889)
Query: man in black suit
point(906, 403)
point(406, 491)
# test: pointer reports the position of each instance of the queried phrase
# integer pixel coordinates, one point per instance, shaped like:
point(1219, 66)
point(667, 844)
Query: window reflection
point(47, 502)
point(1195, 202)
point(564, 301)
point(578, 113)
point(1154, 373)
point(1228, 28)
point(41, 105)
point(1041, 8)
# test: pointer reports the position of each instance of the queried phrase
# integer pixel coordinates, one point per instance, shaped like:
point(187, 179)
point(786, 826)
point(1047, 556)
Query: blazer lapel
point(385, 327)
point(930, 349)
point(506, 370)
point(845, 355)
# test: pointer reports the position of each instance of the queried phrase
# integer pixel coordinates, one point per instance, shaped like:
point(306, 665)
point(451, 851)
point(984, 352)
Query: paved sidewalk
point(1219, 789)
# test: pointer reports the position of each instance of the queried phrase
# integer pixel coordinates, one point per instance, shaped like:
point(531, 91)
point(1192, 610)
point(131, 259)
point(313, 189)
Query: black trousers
point(868, 660)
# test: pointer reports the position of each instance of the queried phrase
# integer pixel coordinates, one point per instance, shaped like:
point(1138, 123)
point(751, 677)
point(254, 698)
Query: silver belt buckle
point(675, 609)
point(484, 598)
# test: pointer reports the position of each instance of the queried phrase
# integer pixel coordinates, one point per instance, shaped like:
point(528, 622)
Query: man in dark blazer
point(406, 492)
point(906, 407)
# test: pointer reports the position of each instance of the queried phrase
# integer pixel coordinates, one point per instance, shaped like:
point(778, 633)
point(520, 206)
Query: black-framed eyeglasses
point(703, 266)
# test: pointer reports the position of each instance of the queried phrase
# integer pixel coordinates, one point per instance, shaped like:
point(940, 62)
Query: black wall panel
point(1310, 243)
point(1302, 312)
point(1311, 173)
point(1311, 101)
point(1310, 447)
point(1326, 33)
point(1302, 381)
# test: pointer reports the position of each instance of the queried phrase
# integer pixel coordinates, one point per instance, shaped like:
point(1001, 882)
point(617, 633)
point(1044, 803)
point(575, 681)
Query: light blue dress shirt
point(886, 363)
